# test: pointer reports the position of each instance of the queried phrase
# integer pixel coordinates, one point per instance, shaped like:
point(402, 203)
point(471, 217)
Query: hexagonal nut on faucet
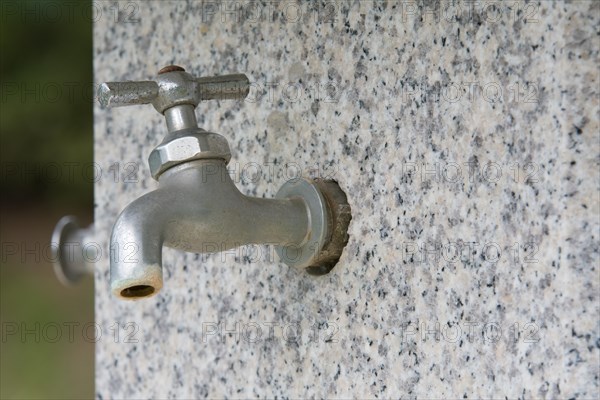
point(187, 145)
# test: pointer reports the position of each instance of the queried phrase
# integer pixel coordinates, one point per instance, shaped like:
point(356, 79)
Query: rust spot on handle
point(170, 68)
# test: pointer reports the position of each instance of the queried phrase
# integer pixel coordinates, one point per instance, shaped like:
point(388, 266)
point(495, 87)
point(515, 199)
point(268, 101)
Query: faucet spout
point(196, 208)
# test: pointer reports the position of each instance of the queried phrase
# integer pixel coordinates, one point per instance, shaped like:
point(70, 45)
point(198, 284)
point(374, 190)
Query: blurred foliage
point(42, 367)
point(46, 98)
point(46, 124)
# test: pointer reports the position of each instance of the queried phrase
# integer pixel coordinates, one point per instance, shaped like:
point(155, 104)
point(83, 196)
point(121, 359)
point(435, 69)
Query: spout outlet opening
point(137, 291)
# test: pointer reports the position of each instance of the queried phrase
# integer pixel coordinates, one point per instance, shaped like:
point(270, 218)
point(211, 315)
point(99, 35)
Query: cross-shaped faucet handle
point(173, 86)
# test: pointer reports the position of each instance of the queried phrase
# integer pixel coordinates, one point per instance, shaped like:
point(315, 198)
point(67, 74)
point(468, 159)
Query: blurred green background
point(46, 148)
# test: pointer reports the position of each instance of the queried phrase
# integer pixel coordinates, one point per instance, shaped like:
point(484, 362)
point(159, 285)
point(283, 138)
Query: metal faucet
point(197, 207)
point(73, 250)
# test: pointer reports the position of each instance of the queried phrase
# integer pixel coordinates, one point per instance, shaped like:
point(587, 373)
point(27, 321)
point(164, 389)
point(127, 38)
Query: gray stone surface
point(468, 134)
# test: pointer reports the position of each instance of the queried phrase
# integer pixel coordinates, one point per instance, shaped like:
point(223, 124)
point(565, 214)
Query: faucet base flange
point(330, 217)
point(340, 213)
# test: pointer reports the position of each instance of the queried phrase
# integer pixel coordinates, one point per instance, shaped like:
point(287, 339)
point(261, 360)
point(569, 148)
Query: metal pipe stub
point(70, 262)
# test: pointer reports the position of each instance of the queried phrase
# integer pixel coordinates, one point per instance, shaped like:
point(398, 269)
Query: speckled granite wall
point(466, 138)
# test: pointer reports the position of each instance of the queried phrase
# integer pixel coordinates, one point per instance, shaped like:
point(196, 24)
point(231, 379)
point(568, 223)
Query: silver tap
point(73, 251)
point(197, 207)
